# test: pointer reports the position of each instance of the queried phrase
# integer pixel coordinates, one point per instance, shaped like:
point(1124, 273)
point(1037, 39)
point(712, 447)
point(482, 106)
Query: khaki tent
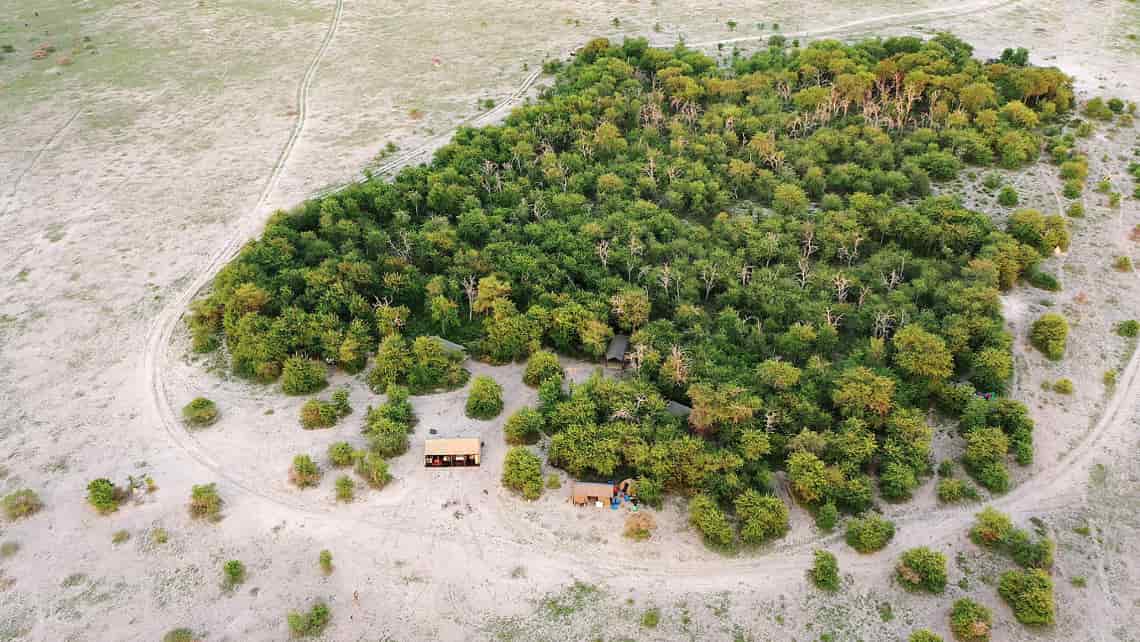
point(582, 493)
point(452, 452)
point(615, 353)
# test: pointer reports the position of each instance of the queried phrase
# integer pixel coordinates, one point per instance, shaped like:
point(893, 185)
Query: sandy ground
point(131, 171)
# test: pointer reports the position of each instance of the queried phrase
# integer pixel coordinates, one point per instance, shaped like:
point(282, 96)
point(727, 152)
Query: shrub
point(922, 568)
point(372, 468)
point(120, 536)
point(302, 376)
point(103, 495)
point(955, 490)
point(345, 488)
point(1048, 335)
point(179, 635)
point(325, 560)
point(1029, 594)
point(304, 472)
point(639, 526)
point(650, 491)
point(233, 573)
point(991, 528)
point(523, 427)
point(1043, 280)
point(386, 437)
point(340, 402)
point(486, 398)
point(553, 482)
point(824, 571)
point(945, 468)
point(1027, 552)
point(340, 454)
point(826, 517)
point(205, 502)
point(318, 414)
point(762, 517)
point(200, 412)
point(650, 618)
point(1075, 209)
point(1109, 378)
point(9, 548)
point(522, 472)
point(1063, 386)
point(311, 623)
point(970, 621)
point(159, 535)
point(1122, 264)
point(710, 521)
point(869, 534)
point(1129, 328)
point(397, 407)
point(540, 366)
point(924, 635)
point(22, 503)
point(1007, 196)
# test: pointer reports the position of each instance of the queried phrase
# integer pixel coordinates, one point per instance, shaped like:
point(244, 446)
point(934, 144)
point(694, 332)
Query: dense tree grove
point(765, 232)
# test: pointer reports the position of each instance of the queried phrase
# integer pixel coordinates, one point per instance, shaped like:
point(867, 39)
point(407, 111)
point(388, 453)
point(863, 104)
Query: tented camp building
point(583, 493)
point(442, 453)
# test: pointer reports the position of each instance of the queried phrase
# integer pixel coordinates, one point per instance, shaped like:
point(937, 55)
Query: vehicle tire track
point(302, 106)
point(35, 159)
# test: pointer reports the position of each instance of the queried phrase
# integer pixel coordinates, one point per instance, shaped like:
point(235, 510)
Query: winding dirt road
point(916, 526)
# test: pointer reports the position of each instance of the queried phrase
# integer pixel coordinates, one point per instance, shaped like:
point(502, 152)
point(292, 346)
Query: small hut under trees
point(583, 493)
point(615, 354)
point(678, 409)
point(443, 453)
point(450, 346)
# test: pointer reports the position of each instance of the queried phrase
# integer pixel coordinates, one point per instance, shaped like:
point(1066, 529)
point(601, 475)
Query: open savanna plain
point(143, 143)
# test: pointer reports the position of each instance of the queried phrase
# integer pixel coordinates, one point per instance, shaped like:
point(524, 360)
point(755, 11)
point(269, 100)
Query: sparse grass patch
point(205, 503)
point(312, 623)
point(159, 535)
point(651, 618)
point(179, 635)
point(9, 548)
point(345, 489)
point(120, 536)
point(22, 503)
point(639, 526)
point(1079, 581)
point(304, 472)
point(325, 560)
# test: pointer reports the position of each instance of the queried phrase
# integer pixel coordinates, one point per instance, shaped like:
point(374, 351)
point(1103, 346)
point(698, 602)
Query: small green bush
point(523, 427)
point(1063, 386)
point(762, 517)
point(304, 472)
point(924, 635)
point(340, 454)
point(922, 568)
point(120, 536)
point(22, 503)
point(951, 491)
point(1008, 196)
point(386, 437)
point(650, 618)
point(707, 517)
point(1042, 280)
point(233, 574)
point(869, 534)
point(486, 398)
point(970, 621)
point(1029, 594)
point(345, 489)
point(9, 548)
point(312, 623)
point(179, 635)
point(1028, 552)
point(1072, 188)
point(553, 482)
point(991, 528)
point(340, 402)
point(1129, 328)
point(1109, 378)
point(1122, 264)
point(103, 495)
point(205, 502)
point(159, 535)
point(1049, 334)
point(824, 572)
point(522, 472)
point(302, 376)
point(325, 560)
point(826, 517)
point(372, 468)
point(200, 412)
point(318, 414)
point(946, 468)
point(541, 365)
point(1075, 209)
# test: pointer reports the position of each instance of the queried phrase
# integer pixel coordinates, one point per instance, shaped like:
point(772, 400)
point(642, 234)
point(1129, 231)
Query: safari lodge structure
point(446, 453)
point(585, 493)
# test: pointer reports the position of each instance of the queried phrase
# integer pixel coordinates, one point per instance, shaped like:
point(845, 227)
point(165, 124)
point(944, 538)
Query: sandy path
point(782, 564)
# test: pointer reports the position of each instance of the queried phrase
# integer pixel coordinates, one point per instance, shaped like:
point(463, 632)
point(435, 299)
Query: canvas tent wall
point(582, 493)
point(450, 346)
point(462, 451)
point(615, 354)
